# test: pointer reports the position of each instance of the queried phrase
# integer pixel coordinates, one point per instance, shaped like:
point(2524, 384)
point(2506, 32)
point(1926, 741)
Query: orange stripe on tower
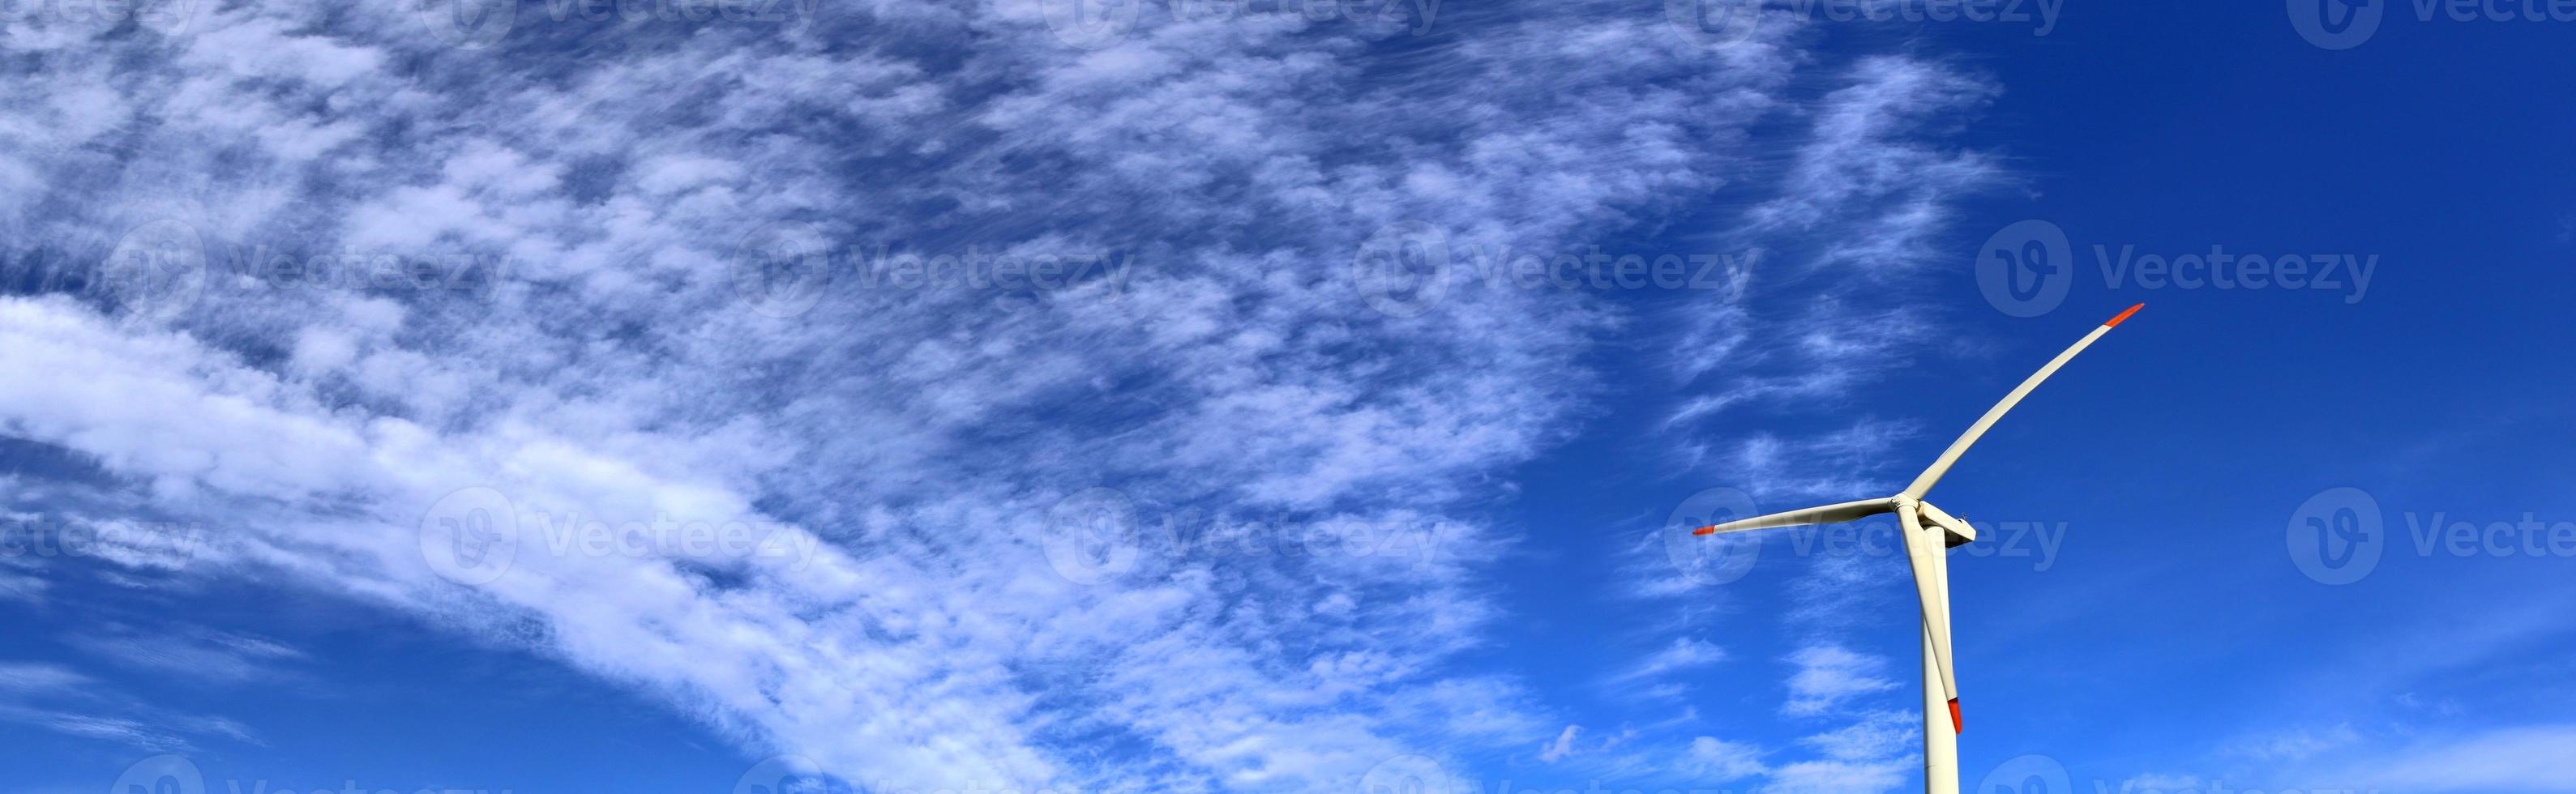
point(2115, 321)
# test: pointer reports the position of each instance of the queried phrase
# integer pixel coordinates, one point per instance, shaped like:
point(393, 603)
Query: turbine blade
point(1931, 561)
point(1828, 514)
point(1941, 465)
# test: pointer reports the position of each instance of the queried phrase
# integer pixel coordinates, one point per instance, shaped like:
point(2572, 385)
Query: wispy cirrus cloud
point(56, 698)
point(1863, 201)
point(2524, 758)
point(588, 345)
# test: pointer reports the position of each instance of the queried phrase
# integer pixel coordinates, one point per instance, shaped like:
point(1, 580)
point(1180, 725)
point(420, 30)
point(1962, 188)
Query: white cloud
point(2530, 758)
point(2296, 744)
point(916, 440)
point(1872, 754)
point(1827, 675)
point(1683, 654)
point(23, 677)
point(219, 657)
point(1563, 746)
point(1712, 760)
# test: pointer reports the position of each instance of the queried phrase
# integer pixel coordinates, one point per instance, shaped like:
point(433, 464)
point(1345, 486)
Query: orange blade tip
point(2115, 321)
point(1706, 530)
point(1955, 725)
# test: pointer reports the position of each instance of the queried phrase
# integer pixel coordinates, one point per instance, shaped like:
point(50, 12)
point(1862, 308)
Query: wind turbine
point(1919, 519)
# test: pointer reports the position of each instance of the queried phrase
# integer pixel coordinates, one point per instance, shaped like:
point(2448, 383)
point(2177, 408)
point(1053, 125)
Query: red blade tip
point(1706, 530)
point(1955, 725)
point(2115, 321)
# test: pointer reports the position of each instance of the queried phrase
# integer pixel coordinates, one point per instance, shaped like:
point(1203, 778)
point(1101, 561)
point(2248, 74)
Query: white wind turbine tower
point(1918, 520)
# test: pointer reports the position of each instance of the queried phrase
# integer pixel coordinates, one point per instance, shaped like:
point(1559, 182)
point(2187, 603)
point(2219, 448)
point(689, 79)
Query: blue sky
point(918, 397)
